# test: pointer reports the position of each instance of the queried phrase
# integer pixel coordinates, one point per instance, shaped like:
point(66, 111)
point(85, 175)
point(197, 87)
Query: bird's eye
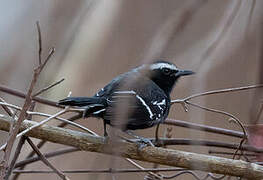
point(166, 71)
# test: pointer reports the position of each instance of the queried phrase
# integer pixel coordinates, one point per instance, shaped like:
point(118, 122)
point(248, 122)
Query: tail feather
point(82, 101)
point(94, 106)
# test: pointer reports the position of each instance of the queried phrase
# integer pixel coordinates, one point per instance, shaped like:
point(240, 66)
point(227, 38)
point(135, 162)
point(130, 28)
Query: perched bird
point(142, 95)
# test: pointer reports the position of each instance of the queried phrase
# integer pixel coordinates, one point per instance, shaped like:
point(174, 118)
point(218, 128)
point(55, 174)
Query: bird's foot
point(158, 142)
point(143, 142)
point(106, 139)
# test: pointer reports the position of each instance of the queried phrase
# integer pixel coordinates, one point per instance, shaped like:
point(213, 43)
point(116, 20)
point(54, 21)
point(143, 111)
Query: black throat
point(166, 85)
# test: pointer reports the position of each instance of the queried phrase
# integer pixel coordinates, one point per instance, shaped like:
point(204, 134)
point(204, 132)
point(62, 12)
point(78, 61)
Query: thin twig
point(142, 168)
point(42, 142)
point(110, 170)
point(47, 155)
point(229, 115)
point(48, 87)
point(9, 145)
point(48, 115)
point(66, 121)
point(221, 112)
point(260, 112)
point(123, 171)
point(31, 108)
point(36, 125)
point(39, 43)
point(8, 110)
point(193, 175)
point(21, 94)
point(45, 161)
point(51, 52)
point(202, 127)
point(28, 98)
point(17, 152)
point(218, 92)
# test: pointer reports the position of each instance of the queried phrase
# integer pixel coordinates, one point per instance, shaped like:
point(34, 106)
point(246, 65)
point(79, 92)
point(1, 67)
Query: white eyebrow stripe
point(163, 65)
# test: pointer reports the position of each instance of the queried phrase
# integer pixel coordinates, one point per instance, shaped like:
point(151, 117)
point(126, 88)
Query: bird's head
point(165, 74)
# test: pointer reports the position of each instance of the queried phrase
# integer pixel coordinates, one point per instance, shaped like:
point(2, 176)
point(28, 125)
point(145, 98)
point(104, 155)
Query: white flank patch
point(97, 112)
point(147, 107)
point(138, 97)
point(163, 65)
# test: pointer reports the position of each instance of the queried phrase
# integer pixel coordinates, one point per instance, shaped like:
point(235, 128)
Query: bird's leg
point(143, 140)
point(105, 129)
point(157, 141)
point(156, 134)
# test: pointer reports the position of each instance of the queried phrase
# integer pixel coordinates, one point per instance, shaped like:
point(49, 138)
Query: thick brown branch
point(150, 154)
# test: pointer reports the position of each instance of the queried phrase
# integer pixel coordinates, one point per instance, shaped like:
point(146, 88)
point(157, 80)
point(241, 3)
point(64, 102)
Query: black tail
point(93, 105)
point(82, 101)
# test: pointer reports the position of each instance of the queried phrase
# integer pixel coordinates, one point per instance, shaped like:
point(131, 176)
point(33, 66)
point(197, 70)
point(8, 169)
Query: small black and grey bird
point(142, 94)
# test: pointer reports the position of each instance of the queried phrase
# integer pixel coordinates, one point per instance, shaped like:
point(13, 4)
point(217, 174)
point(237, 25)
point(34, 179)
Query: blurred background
point(96, 40)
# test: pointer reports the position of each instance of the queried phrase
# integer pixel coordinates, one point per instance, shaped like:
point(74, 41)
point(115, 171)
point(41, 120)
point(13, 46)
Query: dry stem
point(130, 150)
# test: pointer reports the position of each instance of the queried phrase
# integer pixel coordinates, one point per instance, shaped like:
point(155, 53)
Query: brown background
point(97, 40)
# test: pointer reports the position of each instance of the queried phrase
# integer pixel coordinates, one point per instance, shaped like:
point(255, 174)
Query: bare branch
point(48, 115)
point(234, 118)
point(23, 95)
point(17, 152)
point(45, 161)
point(202, 127)
point(35, 126)
point(106, 170)
point(48, 87)
point(42, 142)
point(169, 157)
point(8, 110)
point(39, 43)
point(218, 91)
point(9, 145)
point(47, 155)
point(51, 52)
point(142, 168)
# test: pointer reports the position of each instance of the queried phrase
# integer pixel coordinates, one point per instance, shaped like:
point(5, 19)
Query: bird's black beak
point(184, 73)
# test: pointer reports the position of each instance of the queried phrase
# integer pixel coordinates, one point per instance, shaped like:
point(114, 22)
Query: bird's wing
point(142, 107)
point(112, 86)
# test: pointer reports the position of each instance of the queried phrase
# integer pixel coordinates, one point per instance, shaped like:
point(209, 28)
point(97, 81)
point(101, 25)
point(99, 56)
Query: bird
point(141, 96)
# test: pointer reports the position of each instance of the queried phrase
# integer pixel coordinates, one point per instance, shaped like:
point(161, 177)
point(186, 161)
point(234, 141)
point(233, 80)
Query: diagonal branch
point(45, 161)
